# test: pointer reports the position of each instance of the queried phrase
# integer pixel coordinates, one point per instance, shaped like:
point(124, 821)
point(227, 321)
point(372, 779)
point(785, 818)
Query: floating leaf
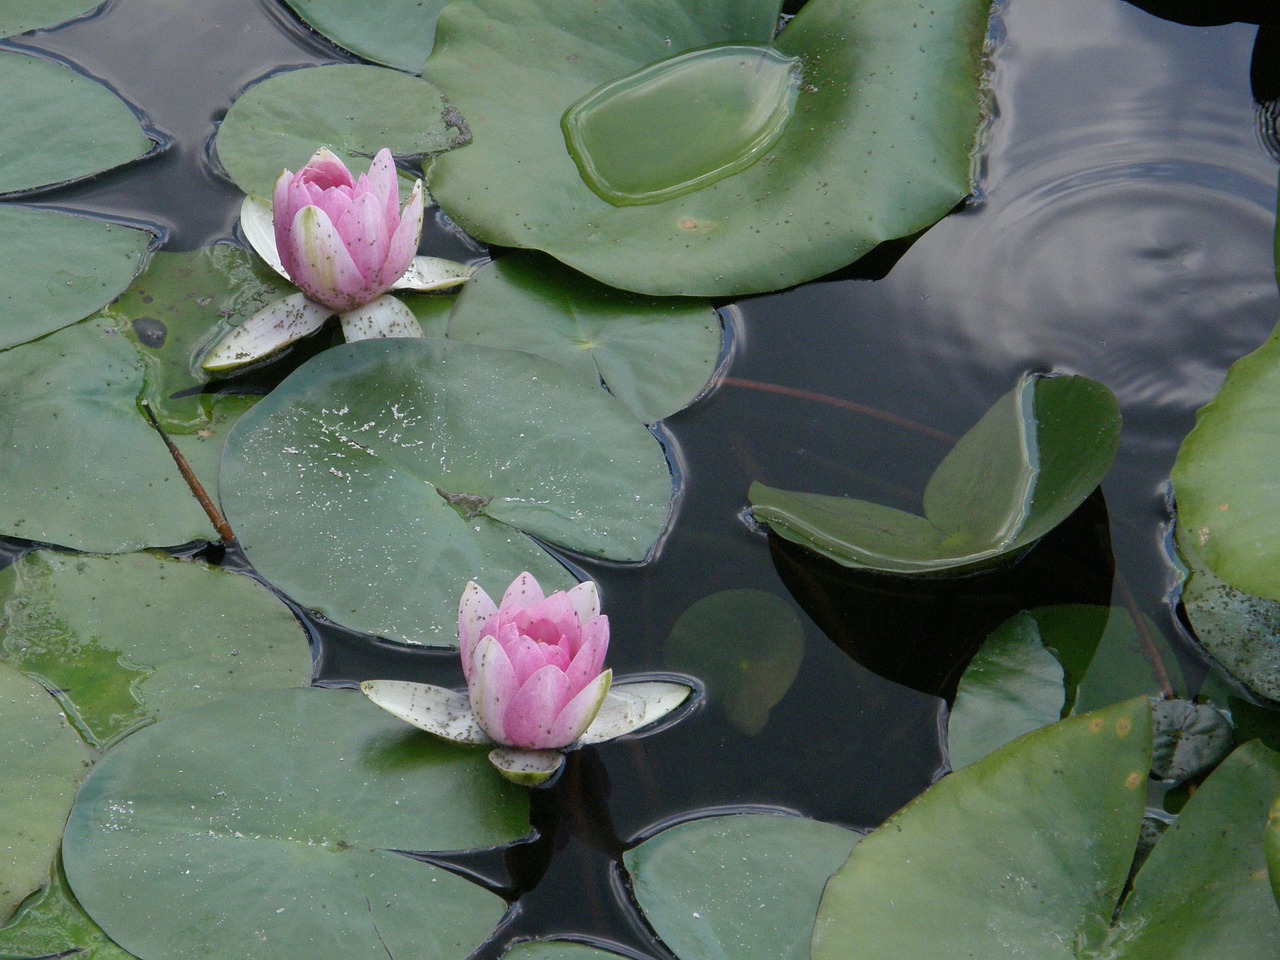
point(878, 145)
point(1023, 469)
point(56, 269)
point(83, 468)
point(44, 761)
point(746, 646)
point(1227, 478)
point(117, 662)
point(397, 33)
point(383, 474)
point(1271, 845)
point(22, 16)
point(266, 826)
point(741, 886)
point(560, 950)
point(52, 924)
point(654, 355)
point(60, 126)
point(1189, 739)
point(279, 123)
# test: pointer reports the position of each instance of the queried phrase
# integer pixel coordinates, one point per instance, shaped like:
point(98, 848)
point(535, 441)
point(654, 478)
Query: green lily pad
point(56, 269)
point(560, 950)
point(1226, 478)
point(266, 825)
point(396, 33)
point(1023, 469)
point(1189, 739)
point(279, 123)
point(117, 661)
point(746, 646)
point(44, 761)
point(741, 886)
point(52, 924)
point(877, 145)
point(655, 355)
point(83, 467)
point(1271, 845)
point(176, 308)
point(382, 475)
point(60, 126)
point(22, 16)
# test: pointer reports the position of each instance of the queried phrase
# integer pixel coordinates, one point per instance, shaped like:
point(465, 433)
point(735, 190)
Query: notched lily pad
point(1023, 469)
point(23, 16)
point(396, 33)
point(52, 924)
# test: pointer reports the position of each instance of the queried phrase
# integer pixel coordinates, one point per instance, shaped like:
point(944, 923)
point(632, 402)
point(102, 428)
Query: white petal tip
point(528, 768)
point(443, 713)
point(433, 273)
point(634, 704)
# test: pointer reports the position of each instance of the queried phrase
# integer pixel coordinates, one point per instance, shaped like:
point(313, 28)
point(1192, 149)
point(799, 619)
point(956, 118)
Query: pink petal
point(586, 601)
point(282, 221)
point(580, 711)
point(364, 234)
point(474, 609)
point(325, 271)
point(382, 182)
point(404, 241)
point(492, 686)
point(527, 657)
point(589, 659)
point(326, 170)
point(530, 716)
point(523, 592)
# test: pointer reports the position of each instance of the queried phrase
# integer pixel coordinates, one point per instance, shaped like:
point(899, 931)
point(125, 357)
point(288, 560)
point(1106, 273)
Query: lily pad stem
point(1145, 640)
point(197, 489)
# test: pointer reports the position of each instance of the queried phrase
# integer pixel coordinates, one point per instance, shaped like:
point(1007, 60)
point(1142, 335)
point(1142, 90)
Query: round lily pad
point(382, 475)
point(59, 125)
point(741, 886)
point(126, 639)
point(397, 33)
point(876, 146)
point(21, 16)
point(561, 950)
point(655, 355)
point(266, 825)
point(279, 123)
point(44, 760)
point(56, 269)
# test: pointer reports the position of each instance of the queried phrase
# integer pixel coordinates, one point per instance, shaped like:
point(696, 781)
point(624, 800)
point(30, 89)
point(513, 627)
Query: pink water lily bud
point(533, 663)
point(343, 241)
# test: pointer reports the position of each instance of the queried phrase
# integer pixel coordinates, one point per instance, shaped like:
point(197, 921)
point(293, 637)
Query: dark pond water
point(1122, 230)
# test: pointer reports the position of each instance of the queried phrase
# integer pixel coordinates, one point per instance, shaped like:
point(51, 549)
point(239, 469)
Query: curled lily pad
point(876, 145)
point(383, 473)
point(1190, 739)
point(266, 825)
point(1023, 469)
point(655, 355)
point(397, 33)
point(278, 123)
point(59, 125)
point(21, 16)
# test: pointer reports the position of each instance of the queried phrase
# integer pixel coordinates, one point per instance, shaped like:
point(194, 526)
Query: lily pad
point(746, 646)
point(1027, 851)
point(44, 760)
point(116, 661)
point(397, 33)
point(60, 126)
point(381, 475)
point(267, 825)
point(877, 145)
point(83, 468)
point(52, 924)
point(279, 123)
point(655, 355)
point(1023, 469)
point(1189, 739)
point(1226, 478)
point(741, 886)
point(22, 16)
point(56, 269)
point(561, 950)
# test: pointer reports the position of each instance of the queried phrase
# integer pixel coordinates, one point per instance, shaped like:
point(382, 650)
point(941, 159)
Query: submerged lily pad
point(52, 924)
point(397, 33)
point(741, 886)
point(116, 661)
point(21, 16)
point(60, 126)
point(1226, 478)
point(877, 145)
point(266, 826)
point(1023, 469)
point(44, 761)
point(279, 123)
point(381, 475)
point(655, 355)
point(56, 269)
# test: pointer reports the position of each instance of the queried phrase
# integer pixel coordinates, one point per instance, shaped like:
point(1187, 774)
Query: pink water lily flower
point(534, 665)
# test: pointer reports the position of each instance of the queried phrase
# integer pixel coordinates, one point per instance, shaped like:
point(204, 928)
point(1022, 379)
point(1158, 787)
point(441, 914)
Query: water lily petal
point(632, 705)
point(530, 717)
point(444, 713)
point(525, 591)
point(589, 657)
point(492, 687)
point(256, 225)
point(382, 183)
point(528, 768)
point(579, 712)
point(273, 327)
point(364, 233)
point(384, 317)
point(433, 273)
point(282, 222)
point(586, 601)
point(474, 609)
point(527, 657)
point(326, 171)
point(323, 269)
point(404, 242)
